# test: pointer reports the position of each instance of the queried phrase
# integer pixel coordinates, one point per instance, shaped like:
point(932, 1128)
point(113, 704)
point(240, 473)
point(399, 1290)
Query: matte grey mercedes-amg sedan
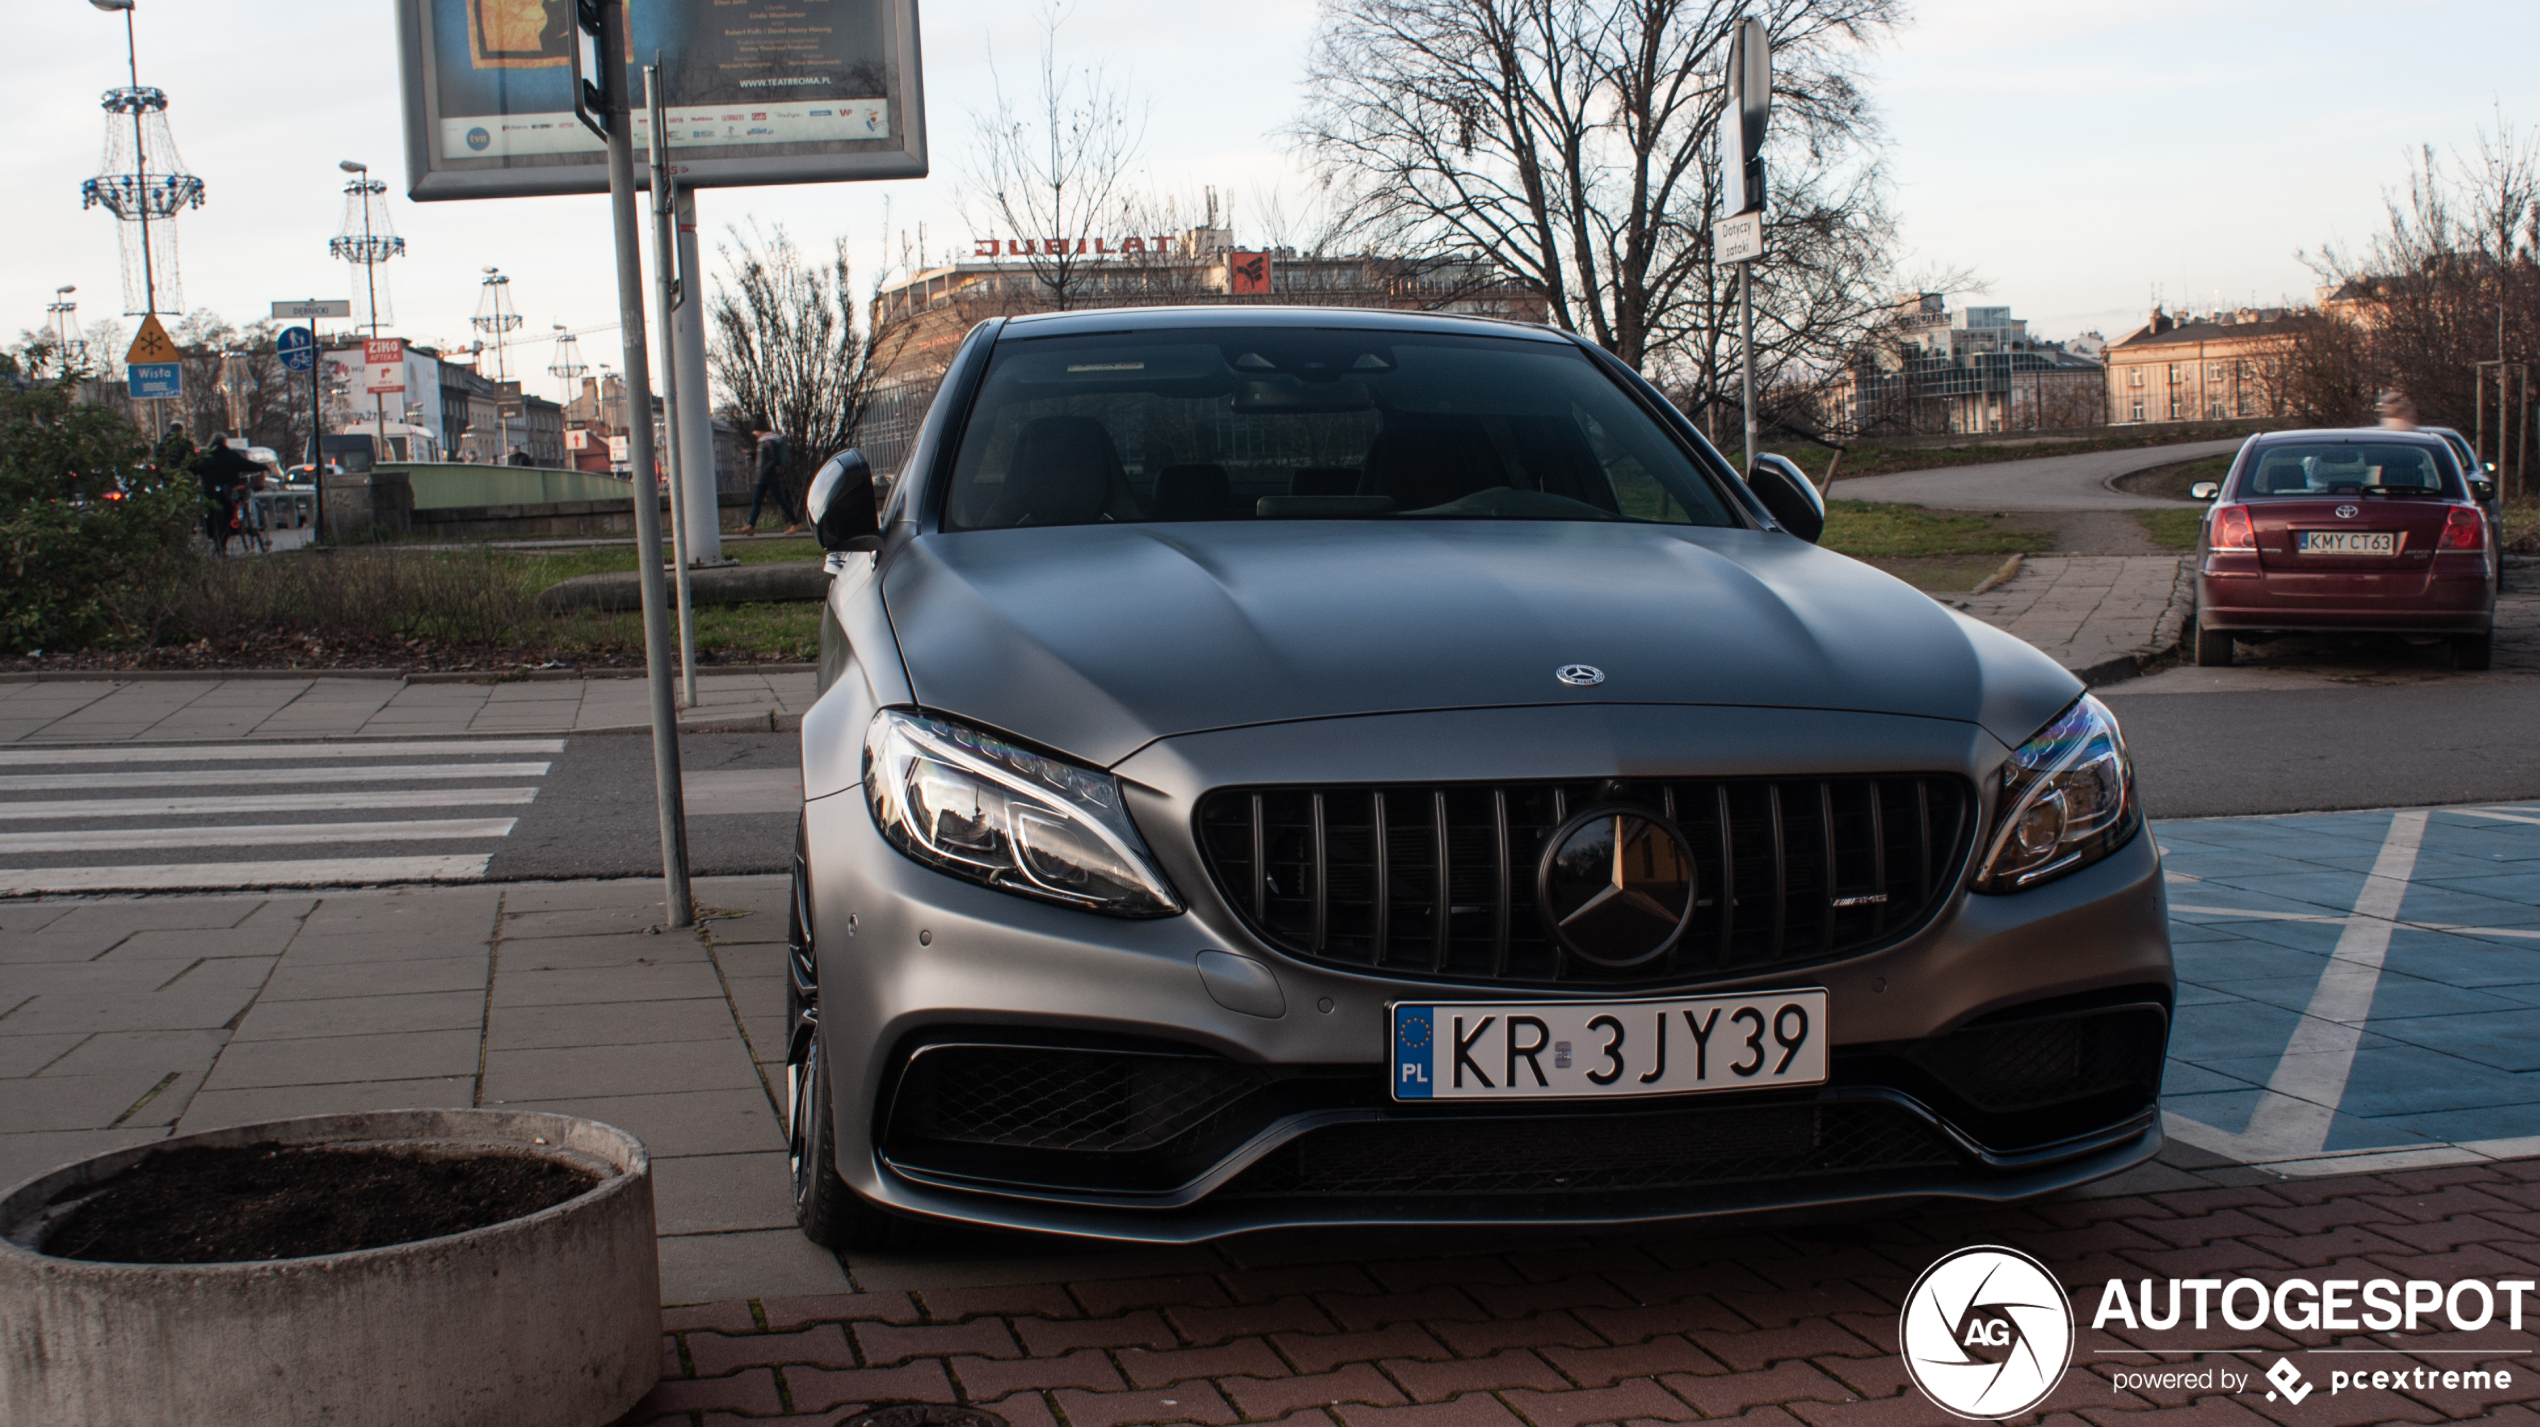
point(1307, 766)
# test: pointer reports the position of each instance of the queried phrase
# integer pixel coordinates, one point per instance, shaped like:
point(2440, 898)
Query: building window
point(2138, 411)
point(2247, 369)
point(2245, 404)
point(2213, 371)
point(2173, 374)
point(2173, 408)
point(2134, 377)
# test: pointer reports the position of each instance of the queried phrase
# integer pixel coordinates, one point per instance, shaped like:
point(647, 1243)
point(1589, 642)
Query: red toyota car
point(2346, 532)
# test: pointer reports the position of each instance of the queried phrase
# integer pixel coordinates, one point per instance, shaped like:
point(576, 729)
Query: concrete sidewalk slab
point(2104, 617)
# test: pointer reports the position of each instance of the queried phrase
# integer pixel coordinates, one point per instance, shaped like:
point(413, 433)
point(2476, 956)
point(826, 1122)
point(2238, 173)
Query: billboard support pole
point(618, 115)
point(696, 420)
point(666, 284)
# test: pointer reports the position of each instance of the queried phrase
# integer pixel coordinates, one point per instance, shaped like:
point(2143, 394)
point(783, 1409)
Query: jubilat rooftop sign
point(1060, 247)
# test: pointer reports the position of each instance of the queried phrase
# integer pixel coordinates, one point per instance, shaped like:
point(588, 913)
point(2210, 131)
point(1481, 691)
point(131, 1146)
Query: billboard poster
point(384, 365)
point(756, 92)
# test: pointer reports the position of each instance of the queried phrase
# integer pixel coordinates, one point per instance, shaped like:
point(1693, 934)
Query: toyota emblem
point(2345, 512)
point(1579, 675)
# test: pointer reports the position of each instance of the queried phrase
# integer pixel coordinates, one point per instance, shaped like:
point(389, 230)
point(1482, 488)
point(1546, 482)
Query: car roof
point(2349, 434)
point(1381, 319)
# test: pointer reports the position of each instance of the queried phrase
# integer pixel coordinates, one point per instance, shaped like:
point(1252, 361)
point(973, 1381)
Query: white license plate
point(1589, 1050)
point(2348, 542)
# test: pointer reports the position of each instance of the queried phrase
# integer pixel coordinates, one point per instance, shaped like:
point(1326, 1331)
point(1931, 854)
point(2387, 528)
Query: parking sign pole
point(667, 279)
point(618, 114)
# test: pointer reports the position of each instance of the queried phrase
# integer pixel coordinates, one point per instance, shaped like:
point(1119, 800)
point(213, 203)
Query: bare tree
point(1049, 173)
point(789, 349)
point(1570, 142)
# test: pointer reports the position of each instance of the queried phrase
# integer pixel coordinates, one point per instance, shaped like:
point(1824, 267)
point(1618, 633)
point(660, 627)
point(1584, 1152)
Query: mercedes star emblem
point(1616, 885)
point(1579, 675)
point(2345, 512)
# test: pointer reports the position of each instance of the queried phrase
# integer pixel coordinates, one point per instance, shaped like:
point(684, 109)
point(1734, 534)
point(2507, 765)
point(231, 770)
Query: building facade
point(921, 321)
point(2220, 367)
point(1933, 370)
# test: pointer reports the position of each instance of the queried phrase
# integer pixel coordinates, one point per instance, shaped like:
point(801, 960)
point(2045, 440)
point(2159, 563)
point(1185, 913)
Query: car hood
point(1097, 640)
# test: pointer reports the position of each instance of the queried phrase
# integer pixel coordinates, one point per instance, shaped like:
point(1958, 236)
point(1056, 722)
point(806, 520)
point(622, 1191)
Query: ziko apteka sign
point(756, 92)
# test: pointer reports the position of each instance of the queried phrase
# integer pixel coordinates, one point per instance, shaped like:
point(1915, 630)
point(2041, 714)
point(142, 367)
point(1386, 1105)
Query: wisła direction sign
point(151, 368)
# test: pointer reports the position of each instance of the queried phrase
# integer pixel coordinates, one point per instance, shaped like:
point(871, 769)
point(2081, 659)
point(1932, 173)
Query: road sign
point(383, 364)
point(297, 346)
point(1738, 238)
point(1749, 109)
point(155, 381)
point(315, 307)
point(152, 345)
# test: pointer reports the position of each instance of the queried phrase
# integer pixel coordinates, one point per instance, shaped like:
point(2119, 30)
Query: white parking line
point(297, 872)
point(226, 777)
point(373, 798)
point(272, 752)
point(255, 835)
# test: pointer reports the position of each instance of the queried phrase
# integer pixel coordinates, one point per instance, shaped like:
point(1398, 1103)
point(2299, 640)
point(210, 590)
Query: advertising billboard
point(756, 92)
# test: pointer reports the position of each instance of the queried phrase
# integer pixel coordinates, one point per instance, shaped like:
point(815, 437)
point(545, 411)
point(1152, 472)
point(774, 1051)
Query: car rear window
point(2306, 469)
point(1287, 423)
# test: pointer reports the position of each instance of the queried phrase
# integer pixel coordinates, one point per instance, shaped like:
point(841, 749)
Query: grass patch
point(548, 566)
point(1869, 530)
point(2521, 534)
point(2171, 529)
point(1942, 574)
point(742, 632)
point(1871, 458)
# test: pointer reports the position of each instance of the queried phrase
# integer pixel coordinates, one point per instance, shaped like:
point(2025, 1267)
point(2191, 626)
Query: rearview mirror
point(2204, 490)
point(2482, 491)
point(1787, 492)
point(843, 514)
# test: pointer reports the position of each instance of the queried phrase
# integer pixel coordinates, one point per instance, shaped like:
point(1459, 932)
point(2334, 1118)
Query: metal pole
point(1746, 352)
point(680, 910)
point(140, 166)
point(696, 422)
point(666, 287)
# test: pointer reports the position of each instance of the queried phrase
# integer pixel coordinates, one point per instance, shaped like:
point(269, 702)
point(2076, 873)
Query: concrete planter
point(553, 1320)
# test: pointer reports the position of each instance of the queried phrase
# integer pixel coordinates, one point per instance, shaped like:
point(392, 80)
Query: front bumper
point(934, 963)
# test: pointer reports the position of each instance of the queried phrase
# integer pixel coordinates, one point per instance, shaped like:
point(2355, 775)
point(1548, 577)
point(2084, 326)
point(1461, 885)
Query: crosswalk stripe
point(370, 798)
point(255, 835)
point(223, 777)
point(295, 872)
point(273, 752)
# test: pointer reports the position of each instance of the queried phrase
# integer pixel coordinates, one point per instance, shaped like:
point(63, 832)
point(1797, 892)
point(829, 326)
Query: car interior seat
point(1430, 463)
point(1324, 480)
point(1065, 472)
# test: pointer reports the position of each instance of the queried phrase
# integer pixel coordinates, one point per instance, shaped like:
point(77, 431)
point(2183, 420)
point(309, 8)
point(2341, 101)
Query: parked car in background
point(2346, 532)
point(1306, 767)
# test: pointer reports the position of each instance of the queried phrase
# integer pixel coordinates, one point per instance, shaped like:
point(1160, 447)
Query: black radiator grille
point(1439, 880)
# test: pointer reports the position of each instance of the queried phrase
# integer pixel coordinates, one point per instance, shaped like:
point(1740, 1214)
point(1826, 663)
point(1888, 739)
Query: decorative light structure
point(63, 313)
point(568, 368)
point(142, 182)
point(367, 240)
point(497, 318)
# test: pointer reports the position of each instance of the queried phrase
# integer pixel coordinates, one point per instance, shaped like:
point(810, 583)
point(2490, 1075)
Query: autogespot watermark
point(1988, 1332)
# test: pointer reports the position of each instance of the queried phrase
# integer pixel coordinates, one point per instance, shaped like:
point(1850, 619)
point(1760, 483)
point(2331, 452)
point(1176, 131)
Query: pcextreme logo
point(1987, 1332)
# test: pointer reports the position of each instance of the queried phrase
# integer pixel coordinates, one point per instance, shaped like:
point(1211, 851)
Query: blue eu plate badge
point(1412, 1043)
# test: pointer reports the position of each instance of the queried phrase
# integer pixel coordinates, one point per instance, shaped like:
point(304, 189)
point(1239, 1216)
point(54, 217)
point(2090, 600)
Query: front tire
point(2213, 648)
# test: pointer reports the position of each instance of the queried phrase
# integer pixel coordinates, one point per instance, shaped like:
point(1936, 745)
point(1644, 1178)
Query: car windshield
point(2391, 468)
point(1311, 424)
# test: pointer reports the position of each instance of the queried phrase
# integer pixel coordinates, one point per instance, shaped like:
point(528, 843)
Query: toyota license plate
point(2348, 542)
point(1588, 1050)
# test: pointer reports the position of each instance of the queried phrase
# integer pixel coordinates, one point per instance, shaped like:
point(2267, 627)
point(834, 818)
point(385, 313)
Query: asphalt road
point(2061, 483)
point(596, 815)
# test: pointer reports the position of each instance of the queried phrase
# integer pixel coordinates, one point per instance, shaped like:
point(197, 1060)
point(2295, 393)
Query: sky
point(2076, 159)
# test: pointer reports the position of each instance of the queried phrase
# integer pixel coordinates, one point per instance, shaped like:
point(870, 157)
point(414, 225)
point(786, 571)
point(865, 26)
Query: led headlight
point(975, 806)
point(2067, 801)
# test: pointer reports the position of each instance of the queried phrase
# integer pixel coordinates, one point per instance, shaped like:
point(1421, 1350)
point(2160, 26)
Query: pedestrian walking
point(772, 452)
point(224, 471)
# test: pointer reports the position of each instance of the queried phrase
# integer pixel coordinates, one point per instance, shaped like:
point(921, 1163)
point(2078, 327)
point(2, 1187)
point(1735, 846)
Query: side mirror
point(843, 514)
point(1787, 492)
point(2482, 491)
point(2204, 490)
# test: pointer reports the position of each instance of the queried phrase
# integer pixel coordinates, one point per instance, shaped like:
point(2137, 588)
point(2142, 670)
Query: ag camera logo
point(1987, 1333)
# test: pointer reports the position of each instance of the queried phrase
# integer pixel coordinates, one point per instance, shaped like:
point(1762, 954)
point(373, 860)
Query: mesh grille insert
point(1439, 880)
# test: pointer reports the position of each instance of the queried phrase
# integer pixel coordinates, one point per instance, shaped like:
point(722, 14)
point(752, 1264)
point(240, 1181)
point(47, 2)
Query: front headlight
point(2067, 801)
point(971, 804)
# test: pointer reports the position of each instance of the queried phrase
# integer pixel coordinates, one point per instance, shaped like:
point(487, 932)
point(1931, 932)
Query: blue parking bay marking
point(2356, 988)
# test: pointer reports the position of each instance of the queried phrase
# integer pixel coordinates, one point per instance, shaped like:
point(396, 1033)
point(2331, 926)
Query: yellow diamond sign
point(154, 344)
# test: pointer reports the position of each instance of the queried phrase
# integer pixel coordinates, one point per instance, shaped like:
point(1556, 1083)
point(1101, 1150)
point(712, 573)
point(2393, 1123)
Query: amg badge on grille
point(1579, 675)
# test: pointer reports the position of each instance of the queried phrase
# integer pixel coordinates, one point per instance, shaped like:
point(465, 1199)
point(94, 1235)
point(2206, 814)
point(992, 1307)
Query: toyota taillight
point(2232, 530)
point(2464, 529)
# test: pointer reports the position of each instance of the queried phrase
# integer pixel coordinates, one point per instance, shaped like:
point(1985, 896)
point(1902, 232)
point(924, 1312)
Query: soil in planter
point(247, 1203)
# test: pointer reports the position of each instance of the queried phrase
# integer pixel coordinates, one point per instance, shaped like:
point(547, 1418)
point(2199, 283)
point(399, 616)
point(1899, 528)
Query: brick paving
point(1792, 1326)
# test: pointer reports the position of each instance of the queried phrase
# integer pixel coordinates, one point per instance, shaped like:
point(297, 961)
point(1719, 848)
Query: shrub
point(84, 519)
